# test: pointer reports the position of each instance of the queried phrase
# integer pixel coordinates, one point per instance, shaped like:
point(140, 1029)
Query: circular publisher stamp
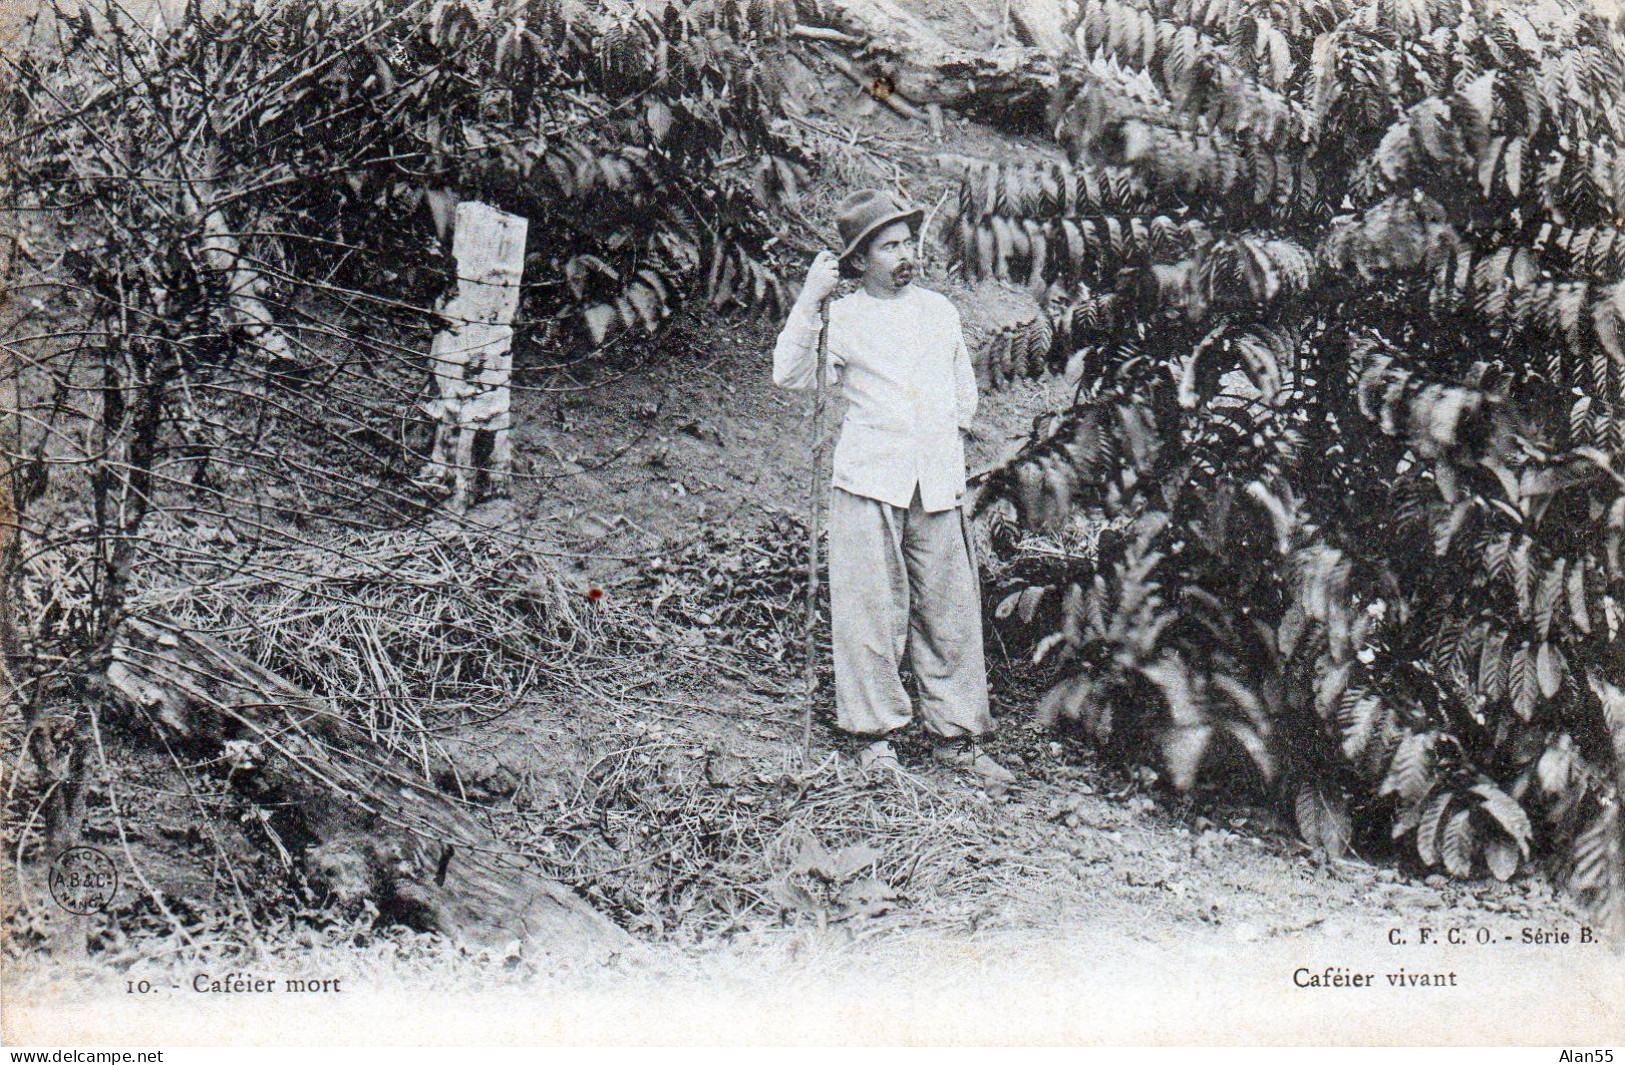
point(83, 880)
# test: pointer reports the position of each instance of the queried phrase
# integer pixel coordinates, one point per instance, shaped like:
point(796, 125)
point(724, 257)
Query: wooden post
point(245, 286)
point(810, 675)
point(472, 357)
point(10, 555)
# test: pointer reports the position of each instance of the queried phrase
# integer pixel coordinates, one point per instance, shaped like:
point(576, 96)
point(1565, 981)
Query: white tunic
point(906, 373)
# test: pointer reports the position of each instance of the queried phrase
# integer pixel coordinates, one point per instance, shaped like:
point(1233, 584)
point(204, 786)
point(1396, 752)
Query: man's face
point(888, 262)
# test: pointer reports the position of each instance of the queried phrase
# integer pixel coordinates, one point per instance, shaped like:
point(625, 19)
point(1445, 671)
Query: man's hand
point(822, 277)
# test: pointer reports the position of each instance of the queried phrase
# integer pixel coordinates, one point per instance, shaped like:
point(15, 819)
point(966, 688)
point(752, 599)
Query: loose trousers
point(905, 580)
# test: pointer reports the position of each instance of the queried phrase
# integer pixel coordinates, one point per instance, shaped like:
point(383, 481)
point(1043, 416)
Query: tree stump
point(472, 356)
point(368, 826)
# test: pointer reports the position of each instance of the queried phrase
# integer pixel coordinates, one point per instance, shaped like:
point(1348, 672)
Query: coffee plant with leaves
point(1343, 284)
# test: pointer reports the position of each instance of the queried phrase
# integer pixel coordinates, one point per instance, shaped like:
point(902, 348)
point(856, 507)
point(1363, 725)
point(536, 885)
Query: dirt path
point(1100, 910)
point(1082, 907)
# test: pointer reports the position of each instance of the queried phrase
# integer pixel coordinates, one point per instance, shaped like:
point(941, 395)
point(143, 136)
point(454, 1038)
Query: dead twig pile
point(687, 848)
point(745, 594)
point(413, 634)
point(407, 631)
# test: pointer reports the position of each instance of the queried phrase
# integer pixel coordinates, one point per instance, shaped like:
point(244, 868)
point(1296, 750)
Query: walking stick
point(810, 673)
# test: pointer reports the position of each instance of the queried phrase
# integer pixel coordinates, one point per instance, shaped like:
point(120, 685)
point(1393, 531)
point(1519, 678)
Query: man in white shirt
point(901, 572)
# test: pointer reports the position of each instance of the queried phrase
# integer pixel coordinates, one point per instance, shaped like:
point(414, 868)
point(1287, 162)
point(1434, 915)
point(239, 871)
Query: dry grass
point(410, 632)
point(747, 595)
point(430, 634)
point(689, 849)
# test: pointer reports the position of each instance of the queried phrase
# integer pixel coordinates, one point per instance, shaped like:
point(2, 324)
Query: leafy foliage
point(252, 203)
point(212, 176)
point(320, 128)
point(1345, 300)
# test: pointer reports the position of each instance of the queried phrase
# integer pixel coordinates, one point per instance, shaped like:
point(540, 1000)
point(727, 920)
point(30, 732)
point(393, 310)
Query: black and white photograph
point(832, 522)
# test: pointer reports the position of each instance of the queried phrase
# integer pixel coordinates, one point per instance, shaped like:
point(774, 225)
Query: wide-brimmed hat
point(863, 213)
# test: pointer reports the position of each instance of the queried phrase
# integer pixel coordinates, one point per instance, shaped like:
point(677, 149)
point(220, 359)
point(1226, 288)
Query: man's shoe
point(971, 757)
point(879, 755)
